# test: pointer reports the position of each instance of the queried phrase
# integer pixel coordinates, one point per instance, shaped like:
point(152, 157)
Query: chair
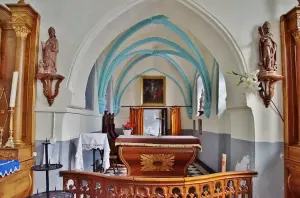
point(113, 156)
point(108, 127)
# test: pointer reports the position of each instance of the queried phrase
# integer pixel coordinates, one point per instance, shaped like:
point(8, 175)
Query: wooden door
point(290, 46)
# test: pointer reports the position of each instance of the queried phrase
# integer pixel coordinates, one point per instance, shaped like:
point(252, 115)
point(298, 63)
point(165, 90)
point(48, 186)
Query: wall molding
point(69, 110)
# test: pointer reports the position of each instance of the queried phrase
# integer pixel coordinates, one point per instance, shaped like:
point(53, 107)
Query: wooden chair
point(108, 127)
point(113, 156)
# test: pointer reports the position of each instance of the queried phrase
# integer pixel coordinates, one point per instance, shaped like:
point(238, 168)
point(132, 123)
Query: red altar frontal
point(157, 156)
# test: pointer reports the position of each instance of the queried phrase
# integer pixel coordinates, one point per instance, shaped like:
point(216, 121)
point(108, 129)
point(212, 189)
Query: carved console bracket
point(268, 80)
point(48, 80)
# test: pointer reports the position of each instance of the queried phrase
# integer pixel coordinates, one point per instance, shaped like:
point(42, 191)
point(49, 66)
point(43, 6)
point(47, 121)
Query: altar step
point(195, 169)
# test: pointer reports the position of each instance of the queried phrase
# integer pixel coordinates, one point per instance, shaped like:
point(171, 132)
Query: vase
point(127, 132)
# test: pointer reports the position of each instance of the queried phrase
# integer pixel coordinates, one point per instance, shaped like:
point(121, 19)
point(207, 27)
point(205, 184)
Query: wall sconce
point(48, 80)
point(268, 67)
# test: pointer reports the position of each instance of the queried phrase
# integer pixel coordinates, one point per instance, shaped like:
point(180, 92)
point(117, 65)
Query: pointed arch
point(173, 63)
point(162, 53)
point(214, 36)
point(118, 98)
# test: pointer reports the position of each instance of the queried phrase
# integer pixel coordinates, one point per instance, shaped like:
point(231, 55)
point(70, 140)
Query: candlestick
point(10, 141)
point(13, 91)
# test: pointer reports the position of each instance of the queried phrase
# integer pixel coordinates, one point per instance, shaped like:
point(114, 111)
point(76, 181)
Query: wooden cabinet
point(290, 46)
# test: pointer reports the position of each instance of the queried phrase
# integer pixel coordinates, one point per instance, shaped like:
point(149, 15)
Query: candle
point(224, 159)
point(13, 91)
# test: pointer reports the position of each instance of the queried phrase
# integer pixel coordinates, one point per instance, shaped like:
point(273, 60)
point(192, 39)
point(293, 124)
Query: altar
point(164, 156)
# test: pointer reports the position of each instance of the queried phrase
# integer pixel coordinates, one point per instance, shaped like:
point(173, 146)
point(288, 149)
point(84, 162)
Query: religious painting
point(153, 90)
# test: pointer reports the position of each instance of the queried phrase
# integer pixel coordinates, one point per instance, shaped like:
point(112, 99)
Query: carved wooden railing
point(218, 185)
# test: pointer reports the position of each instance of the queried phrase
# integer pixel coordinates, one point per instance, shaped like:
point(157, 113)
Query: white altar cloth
point(89, 141)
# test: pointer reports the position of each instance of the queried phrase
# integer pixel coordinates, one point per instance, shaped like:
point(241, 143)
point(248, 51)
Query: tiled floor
point(194, 169)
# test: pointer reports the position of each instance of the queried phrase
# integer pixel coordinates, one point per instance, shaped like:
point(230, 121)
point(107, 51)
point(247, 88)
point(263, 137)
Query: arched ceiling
point(150, 38)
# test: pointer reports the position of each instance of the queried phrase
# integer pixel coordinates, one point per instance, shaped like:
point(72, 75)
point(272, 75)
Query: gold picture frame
point(153, 91)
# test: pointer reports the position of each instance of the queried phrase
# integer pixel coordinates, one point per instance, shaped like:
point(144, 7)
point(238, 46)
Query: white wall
point(76, 20)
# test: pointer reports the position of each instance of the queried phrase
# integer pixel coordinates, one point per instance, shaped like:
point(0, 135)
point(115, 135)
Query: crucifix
point(159, 129)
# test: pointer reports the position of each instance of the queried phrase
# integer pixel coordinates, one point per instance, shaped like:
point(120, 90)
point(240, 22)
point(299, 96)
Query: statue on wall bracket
point(47, 67)
point(267, 63)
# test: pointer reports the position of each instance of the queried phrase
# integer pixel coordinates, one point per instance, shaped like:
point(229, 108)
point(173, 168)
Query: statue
point(201, 103)
point(267, 49)
point(50, 50)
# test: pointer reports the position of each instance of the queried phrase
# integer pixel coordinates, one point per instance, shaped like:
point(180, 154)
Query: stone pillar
point(21, 32)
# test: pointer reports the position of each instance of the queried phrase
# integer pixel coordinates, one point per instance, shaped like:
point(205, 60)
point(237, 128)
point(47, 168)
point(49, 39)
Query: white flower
point(253, 75)
point(251, 84)
point(248, 80)
point(34, 154)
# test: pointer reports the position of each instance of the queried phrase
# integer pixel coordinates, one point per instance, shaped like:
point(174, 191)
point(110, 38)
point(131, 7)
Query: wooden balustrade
point(218, 185)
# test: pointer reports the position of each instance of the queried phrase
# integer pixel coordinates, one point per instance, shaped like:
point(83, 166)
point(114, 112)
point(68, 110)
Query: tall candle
point(13, 91)
point(224, 161)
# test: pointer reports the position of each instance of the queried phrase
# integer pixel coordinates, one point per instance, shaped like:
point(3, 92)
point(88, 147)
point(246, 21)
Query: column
point(1, 51)
point(21, 32)
point(110, 97)
point(296, 35)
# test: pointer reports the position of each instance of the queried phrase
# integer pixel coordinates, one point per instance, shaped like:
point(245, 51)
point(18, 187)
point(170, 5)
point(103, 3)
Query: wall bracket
point(268, 80)
point(48, 80)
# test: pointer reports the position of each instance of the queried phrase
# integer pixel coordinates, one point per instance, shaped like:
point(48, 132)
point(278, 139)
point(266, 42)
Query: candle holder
point(10, 141)
point(48, 167)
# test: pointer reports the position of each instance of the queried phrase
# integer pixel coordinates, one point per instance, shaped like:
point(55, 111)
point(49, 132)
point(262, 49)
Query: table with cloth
point(164, 156)
point(92, 141)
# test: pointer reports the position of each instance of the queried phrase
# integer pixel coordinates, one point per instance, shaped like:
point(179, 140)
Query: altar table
point(90, 141)
point(164, 156)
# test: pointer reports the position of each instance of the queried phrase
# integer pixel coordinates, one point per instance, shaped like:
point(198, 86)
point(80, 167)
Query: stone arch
point(198, 62)
point(118, 99)
point(214, 36)
point(173, 63)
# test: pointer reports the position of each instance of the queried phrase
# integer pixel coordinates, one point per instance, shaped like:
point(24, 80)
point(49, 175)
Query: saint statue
point(50, 50)
point(201, 103)
point(267, 49)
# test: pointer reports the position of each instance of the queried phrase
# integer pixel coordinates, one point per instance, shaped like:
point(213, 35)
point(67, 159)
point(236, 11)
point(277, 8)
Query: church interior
point(149, 98)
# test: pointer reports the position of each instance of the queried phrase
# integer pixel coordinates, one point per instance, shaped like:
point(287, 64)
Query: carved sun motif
point(157, 162)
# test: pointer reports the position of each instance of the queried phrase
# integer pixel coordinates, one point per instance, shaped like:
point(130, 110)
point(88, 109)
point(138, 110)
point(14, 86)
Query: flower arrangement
point(251, 83)
point(128, 126)
point(248, 80)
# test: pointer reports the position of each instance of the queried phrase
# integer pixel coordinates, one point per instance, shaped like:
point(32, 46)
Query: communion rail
point(218, 185)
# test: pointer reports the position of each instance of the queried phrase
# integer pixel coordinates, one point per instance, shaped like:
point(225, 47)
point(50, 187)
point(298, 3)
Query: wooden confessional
point(19, 41)
point(290, 46)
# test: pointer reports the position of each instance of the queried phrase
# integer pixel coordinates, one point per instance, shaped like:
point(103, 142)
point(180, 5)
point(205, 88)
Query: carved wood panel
point(229, 184)
point(290, 47)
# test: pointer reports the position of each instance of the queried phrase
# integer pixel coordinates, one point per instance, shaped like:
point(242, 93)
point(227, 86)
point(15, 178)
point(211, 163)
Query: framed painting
point(153, 90)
